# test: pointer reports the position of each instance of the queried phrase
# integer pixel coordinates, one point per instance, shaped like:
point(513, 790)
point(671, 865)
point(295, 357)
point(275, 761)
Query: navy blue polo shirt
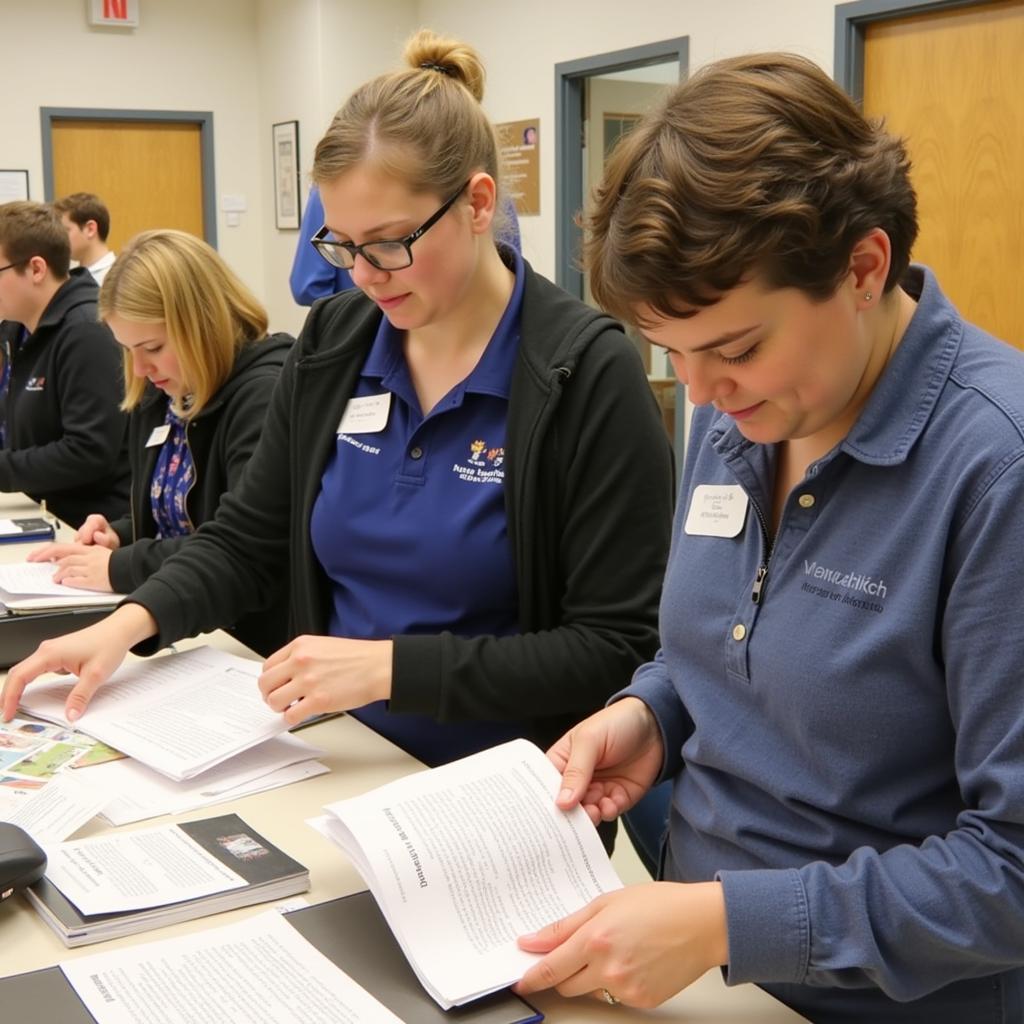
point(410, 524)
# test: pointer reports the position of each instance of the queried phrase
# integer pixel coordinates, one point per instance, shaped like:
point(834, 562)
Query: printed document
point(35, 579)
point(180, 714)
point(465, 858)
point(138, 792)
point(131, 870)
point(259, 969)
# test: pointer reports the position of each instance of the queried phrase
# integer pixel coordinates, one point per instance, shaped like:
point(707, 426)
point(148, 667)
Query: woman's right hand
point(92, 654)
point(609, 760)
point(96, 530)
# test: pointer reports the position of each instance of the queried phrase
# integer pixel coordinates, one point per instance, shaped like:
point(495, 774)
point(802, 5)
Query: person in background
point(313, 278)
point(87, 220)
point(199, 370)
point(463, 471)
point(836, 692)
point(64, 437)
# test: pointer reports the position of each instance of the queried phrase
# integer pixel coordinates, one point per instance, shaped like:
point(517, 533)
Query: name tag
point(366, 415)
point(159, 435)
point(717, 510)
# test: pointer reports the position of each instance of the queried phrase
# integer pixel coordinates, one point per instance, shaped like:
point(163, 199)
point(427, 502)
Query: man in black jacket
point(64, 437)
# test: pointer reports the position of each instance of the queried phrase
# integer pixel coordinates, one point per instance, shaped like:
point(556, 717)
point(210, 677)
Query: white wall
point(520, 44)
point(185, 55)
point(255, 62)
point(312, 54)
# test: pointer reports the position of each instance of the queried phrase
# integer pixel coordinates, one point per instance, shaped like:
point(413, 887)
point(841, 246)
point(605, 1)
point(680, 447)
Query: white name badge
point(717, 510)
point(159, 435)
point(367, 415)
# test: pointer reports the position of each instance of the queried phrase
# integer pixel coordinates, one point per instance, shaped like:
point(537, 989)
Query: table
point(359, 759)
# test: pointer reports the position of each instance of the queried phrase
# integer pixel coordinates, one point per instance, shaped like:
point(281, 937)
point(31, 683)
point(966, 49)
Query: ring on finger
point(609, 998)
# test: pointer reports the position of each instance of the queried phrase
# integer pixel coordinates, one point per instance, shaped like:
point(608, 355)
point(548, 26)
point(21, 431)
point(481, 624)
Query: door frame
point(569, 79)
point(203, 118)
point(852, 20)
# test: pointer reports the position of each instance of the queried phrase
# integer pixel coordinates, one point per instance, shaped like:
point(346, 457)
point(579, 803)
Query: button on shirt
point(410, 522)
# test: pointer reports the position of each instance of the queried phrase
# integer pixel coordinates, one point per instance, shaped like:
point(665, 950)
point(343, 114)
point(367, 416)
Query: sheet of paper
point(59, 809)
point(180, 714)
point(259, 969)
point(465, 858)
point(139, 792)
point(132, 870)
point(37, 578)
point(8, 528)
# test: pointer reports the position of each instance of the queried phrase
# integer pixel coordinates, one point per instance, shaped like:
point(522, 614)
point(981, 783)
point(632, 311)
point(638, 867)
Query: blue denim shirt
point(848, 752)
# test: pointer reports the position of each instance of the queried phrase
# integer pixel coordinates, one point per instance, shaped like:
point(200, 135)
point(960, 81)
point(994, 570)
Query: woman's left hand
point(78, 565)
point(314, 675)
point(642, 944)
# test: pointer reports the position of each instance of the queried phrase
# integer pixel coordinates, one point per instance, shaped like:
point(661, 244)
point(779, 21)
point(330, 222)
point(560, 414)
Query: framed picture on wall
point(13, 185)
point(287, 202)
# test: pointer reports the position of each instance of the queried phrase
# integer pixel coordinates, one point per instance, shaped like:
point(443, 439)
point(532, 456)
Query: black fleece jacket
point(221, 438)
point(66, 438)
point(588, 495)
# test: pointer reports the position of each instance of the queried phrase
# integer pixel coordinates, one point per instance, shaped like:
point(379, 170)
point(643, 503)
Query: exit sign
point(124, 13)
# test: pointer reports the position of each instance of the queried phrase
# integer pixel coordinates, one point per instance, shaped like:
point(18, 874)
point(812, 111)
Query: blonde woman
point(199, 370)
point(463, 473)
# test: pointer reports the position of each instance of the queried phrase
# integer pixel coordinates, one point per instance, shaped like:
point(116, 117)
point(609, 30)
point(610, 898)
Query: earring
point(868, 296)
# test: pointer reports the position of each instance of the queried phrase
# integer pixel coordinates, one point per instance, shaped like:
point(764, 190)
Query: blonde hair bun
point(439, 55)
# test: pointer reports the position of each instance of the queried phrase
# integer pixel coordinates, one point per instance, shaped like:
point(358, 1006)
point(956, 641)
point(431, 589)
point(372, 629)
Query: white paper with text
point(259, 969)
point(134, 870)
point(469, 856)
point(180, 714)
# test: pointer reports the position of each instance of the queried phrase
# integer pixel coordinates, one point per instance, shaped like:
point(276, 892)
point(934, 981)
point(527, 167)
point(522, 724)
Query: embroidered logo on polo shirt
point(852, 585)
point(35, 384)
point(484, 464)
point(370, 449)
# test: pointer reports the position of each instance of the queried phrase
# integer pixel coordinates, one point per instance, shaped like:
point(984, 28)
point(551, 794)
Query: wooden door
point(149, 173)
point(950, 83)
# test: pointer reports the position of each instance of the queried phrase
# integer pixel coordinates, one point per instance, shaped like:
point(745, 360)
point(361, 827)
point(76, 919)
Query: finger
point(273, 676)
point(50, 552)
point(280, 655)
point(105, 539)
point(286, 694)
point(553, 935)
point(81, 693)
point(560, 964)
point(22, 674)
point(579, 769)
point(87, 531)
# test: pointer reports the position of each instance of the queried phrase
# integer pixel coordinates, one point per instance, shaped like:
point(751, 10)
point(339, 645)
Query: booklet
point(464, 858)
point(180, 714)
point(112, 885)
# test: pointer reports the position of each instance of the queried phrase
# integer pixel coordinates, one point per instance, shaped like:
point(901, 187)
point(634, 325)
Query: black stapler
point(22, 860)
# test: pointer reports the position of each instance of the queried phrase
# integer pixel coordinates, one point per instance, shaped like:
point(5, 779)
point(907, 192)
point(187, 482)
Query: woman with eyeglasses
point(199, 369)
point(463, 471)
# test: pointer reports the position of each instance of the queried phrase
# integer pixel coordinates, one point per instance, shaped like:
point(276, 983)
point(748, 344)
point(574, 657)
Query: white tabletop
point(358, 759)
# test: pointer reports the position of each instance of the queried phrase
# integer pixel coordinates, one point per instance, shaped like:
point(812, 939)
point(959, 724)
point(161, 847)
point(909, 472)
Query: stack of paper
point(181, 714)
point(138, 792)
point(29, 587)
point(464, 858)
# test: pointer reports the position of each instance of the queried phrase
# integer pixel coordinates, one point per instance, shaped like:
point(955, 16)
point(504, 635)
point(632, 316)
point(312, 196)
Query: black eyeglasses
point(9, 265)
point(384, 254)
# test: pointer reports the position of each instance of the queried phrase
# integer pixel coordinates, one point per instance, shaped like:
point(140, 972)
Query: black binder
point(350, 931)
point(20, 635)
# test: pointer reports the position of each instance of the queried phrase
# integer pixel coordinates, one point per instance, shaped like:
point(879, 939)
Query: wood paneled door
point(950, 82)
point(149, 173)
